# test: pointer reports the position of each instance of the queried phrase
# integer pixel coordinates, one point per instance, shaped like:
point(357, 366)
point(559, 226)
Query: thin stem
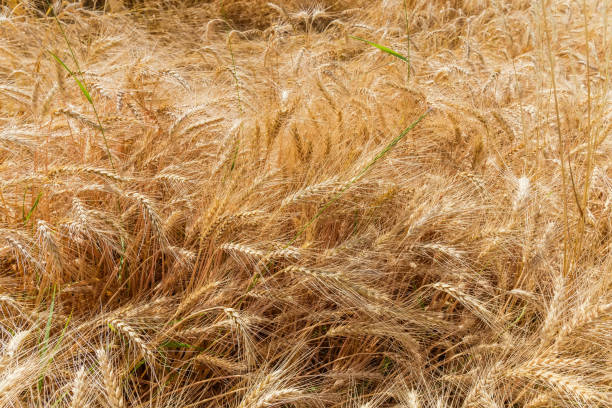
point(560, 140)
point(407, 40)
point(588, 133)
point(234, 72)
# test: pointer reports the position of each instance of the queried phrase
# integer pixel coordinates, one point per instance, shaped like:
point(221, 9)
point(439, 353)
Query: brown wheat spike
point(468, 301)
point(173, 221)
point(35, 97)
point(404, 338)
point(195, 296)
point(504, 125)
point(244, 249)
point(188, 113)
point(177, 77)
point(584, 317)
point(100, 47)
point(216, 362)
point(22, 248)
point(151, 214)
point(158, 304)
point(542, 400)
point(325, 188)
point(100, 172)
point(568, 387)
point(80, 118)
point(12, 348)
point(275, 127)
point(326, 95)
point(16, 94)
point(114, 393)
point(133, 337)
point(528, 296)
point(297, 140)
point(238, 218)
point(279, 397)
point(48, 243)
point(222, 223)
point(479, 397)
point(229, 152)
point(78, 389)
point(240, 325)
point(13, 381)
point(17, 138)
point(205, 219)
point(198, 332)
point(255, 393)
point(172, 178)
point(550, 325)
point(287, 253)
point(201, 124)
point(340, 281)
point(47, 100)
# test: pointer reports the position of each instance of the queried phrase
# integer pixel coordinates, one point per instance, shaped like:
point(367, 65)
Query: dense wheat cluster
point(206, 211)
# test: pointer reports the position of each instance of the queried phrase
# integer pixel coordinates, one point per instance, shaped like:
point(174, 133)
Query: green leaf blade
point(383, 48)
point(77, 80)
point(48, 325)
point(26, 218)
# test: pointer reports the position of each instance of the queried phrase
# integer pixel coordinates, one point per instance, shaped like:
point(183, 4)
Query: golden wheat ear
point(78, 389)
point(112, 385)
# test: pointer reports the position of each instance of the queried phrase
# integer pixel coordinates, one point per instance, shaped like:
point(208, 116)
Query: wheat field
point(332, 203)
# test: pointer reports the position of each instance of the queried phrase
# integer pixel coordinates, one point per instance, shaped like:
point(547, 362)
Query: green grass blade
point(383, 48)
point(171, 344)
point(78, 81)
point(27, 217)
point(48, 326)
point(60, 399)
point(42, 374)
point(62, 334)
point(89, 99)
point(121, 259)
point(23, 214)
point(82, 85)
point(45, 344)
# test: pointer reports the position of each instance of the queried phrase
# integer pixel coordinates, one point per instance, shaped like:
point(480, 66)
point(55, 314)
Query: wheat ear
point(114, 394)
